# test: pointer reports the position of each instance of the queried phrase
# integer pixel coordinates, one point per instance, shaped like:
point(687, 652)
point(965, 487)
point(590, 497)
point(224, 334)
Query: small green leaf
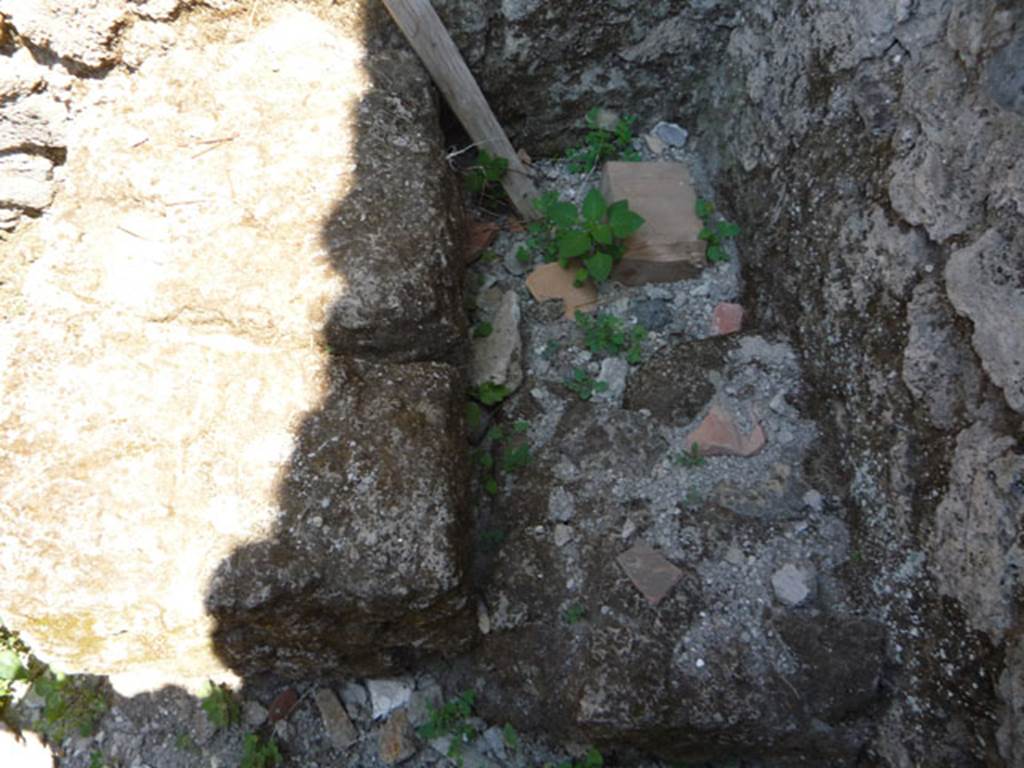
point(704, 208)
point(599, 266)
point(520, 426)
point(563, 215)
point(510, 736)
point(600, 386)
point(727, 229)
point(491, 486)
point(580, 277)
point(495, 434)
point(706, 233)
point(624, 222)
point(573, 244)
point(483, 330)
point(485, 460)
point(10, 665)
point(523, 255)
point(633, 356)
point(594, 206)
point(717, 254)
point(601, 233)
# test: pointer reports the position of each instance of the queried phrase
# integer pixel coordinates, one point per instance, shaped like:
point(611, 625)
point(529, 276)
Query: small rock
point(561, 506)
point(397, 741)
point(339, 727)
point(652, 314)
point(726, 318)
point(649, 571)
point(734, 556)
point(254, 714)
point(494, 739)
point(778, 403)
point(483, 619)
point(670, 133)
point(428, 696)
point(26, 181)
point(497, 358)
point(282, 731)
point(354, 696)
point(786, 437)
point(563, 535)
point(628, 529)
point(814, 501)
point(656, 145)
point(479, 236)
point(718, 435)
point(513, 265)
point(388, 695)
point(614, 371)
point(283, 705)
point(793, 585)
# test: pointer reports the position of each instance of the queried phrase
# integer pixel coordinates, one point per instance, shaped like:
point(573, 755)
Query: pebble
point(254, 713)
point(563, 535)
point(427, 696)
point(355, 698)
point(614, 371)
point(513, 265)
point(494, 738)
point(814, 500)
point(652, 314)
point(561, 505)
point(671, 133)
point(388, 695)
point(793, 585)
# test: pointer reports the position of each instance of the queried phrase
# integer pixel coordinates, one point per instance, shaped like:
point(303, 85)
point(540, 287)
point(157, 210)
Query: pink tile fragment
point(726, 318)
point(718, 435)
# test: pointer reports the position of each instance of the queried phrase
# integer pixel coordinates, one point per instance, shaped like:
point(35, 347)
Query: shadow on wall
point(365, 567)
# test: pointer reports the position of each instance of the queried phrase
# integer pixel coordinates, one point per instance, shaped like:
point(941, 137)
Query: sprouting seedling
point(487, 173)
point(691, 458)
point(608, 335)
point(583, 385)
point(602, 143)
point(715, 233)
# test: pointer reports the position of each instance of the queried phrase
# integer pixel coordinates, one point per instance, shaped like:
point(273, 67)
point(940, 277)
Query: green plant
point(220, 705)
point(608, 335)
point(69, 704)
point(449, 720)
point(486, 174)
point(96, 759)
point(514, 452)
point(550, 349)
point(715, 233)
point(603, 143)
point(12, 668)
point(574, 614)
point(592, 759)
point(259, 753)
point(590, 236)
point(692, 458)
point(583, 385)
point(510, 737)
point(490, 393)
point(482, 330)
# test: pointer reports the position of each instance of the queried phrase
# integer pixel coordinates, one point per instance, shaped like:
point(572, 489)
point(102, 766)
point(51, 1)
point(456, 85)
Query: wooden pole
point(426, 33)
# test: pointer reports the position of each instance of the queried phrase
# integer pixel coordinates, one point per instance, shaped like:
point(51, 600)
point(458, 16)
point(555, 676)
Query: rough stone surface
point(26, 181)
point(166, 375)
point(719, 434)
point(497, 358)
point(337, 723)
point(675, 386)
point(710, 670)
point(397, 741)
point(81, 31)
point(977, 544)
point(985, 282)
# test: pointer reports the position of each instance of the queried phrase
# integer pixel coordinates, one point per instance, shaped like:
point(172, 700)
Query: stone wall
point(872, 152)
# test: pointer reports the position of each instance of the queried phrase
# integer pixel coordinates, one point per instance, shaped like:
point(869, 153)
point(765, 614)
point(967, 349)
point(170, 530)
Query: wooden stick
point(431, 41)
